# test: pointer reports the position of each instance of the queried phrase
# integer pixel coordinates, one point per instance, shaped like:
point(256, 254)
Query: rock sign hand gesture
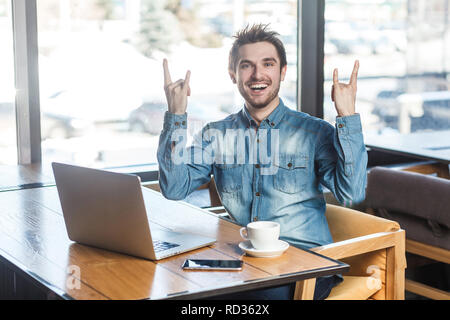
point(176, 92)
point(344, 95)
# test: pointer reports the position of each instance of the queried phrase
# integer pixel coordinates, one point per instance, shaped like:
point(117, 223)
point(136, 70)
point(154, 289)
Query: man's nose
point(257, 72)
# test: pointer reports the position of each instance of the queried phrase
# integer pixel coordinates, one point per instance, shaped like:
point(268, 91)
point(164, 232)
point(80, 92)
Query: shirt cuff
point(175, 121)
point(349, 124)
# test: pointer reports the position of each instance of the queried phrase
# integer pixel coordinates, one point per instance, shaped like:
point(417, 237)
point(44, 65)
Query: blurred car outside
point(149, 117)
point(91, 104)
point(53, 125)
point(410, 112)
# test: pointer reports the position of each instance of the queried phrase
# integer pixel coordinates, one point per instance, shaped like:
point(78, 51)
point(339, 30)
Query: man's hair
point(253, 34)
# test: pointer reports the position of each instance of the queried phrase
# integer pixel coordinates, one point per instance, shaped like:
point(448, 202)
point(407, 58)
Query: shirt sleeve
point(341, 159)
point(181, 169)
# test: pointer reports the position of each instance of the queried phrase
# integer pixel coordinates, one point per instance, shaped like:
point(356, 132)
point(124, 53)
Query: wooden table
point(34, 247)
point(430, 146)
point(25, 176)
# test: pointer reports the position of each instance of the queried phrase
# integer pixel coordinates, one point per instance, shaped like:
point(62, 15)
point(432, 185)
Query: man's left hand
point(344, 95)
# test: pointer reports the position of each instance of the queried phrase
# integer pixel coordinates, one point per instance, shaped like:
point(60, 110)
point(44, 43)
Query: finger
point(335, 77)
point(167, 79)
point(186, 80)
point(354, 76)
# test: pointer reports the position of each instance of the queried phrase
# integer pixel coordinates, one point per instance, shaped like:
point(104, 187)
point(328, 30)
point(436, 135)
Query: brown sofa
point(421, 205)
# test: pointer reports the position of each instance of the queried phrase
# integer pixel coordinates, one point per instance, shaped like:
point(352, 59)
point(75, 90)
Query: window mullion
point(24, 17)
point(312, 55)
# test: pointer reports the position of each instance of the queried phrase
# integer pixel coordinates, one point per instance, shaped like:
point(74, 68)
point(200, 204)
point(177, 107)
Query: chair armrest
point(360, 245)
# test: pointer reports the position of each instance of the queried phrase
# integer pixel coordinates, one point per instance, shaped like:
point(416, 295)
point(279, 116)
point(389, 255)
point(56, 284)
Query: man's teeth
point(258, 86)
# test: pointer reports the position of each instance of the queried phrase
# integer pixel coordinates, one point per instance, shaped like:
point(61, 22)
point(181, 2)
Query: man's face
point(258, 74)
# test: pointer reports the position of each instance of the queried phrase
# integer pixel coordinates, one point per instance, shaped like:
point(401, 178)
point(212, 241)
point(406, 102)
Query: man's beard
point(261, 105)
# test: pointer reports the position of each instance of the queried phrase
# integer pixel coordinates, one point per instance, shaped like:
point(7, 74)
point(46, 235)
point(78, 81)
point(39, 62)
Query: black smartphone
point(195, 264)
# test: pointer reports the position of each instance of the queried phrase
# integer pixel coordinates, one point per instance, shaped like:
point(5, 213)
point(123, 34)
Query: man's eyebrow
point(264, 59)
point(270, 59)
point(245, 61)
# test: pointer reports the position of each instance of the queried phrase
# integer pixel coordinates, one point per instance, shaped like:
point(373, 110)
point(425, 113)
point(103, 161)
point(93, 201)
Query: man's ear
point(232, 76)
point(283, 72)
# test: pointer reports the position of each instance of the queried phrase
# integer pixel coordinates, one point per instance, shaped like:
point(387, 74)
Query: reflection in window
point(101, 80)
point(8, 144)
point(404, 50)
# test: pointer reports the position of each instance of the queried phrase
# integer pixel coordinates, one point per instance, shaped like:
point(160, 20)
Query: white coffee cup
point(262, 234)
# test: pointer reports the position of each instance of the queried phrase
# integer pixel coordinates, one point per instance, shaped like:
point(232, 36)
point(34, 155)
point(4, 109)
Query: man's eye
point(269, 64)
point(244, 66)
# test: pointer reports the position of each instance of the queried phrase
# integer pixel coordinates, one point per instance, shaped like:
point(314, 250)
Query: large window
point(8, 144)
point(100, 70)
point(404, 50)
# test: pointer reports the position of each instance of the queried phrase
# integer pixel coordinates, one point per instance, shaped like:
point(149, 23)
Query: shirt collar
point(247, 117)
point(272, 120)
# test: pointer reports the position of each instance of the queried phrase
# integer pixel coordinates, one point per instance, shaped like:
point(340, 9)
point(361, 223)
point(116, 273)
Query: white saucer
point(247, 247)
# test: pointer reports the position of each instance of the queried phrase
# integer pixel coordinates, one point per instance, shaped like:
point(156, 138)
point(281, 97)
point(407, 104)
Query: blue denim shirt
point(276, 172)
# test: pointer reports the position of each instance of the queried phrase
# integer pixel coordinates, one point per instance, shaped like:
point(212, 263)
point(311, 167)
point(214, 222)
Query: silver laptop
point(106, 210)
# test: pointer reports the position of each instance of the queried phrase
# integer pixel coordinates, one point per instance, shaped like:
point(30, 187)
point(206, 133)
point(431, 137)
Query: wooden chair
point(420, 204)
point(375, 250)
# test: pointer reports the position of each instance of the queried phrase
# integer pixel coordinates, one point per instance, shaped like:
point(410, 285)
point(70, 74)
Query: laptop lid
point(104, 209)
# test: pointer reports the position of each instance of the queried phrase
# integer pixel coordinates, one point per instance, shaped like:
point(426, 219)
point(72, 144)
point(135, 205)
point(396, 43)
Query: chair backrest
point(345, 223)
point(420, 203)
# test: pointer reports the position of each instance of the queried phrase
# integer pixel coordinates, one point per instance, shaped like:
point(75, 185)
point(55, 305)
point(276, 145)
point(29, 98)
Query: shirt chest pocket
point(292, 173)
point(228, 177)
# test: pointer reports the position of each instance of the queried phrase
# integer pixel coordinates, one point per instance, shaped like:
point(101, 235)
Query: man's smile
point(258, 87)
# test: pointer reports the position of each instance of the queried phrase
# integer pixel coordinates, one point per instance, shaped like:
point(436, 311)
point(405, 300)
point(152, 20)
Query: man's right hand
point(176, 92)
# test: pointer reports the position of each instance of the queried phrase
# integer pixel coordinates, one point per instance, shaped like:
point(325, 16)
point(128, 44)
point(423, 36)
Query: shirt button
point(257, 166)
point(177, 123)
point(272, 124)
point(257, 194)
point(289, 165)
point(255, 219)
point(183, 123)
point(340, 125)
